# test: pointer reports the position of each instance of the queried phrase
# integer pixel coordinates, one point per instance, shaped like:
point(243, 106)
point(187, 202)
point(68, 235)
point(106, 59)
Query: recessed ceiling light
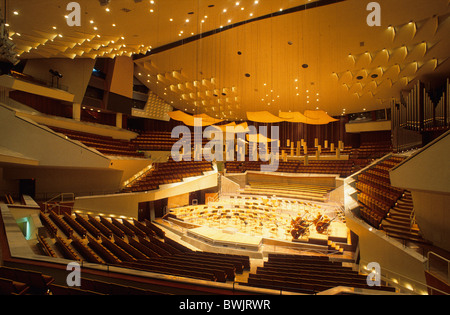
point(16, 12)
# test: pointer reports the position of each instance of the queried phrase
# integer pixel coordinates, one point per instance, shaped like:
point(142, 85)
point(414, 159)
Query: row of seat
point(15, 281)
point(343, 168)
point(167, 173)
point(306, 274)
point(103, 144)
point(372, 150)
point(144, 246)
point(376, 196)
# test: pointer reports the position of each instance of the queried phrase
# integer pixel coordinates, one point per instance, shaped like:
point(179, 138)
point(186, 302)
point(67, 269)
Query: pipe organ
point(417, 112)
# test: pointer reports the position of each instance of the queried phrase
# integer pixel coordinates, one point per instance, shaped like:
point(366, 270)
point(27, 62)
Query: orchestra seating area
point(105, 145)
point(306, 274)
point(343, 168)
point(135, 245)
point(376, 196)
point(292, 191)
point(168, 173)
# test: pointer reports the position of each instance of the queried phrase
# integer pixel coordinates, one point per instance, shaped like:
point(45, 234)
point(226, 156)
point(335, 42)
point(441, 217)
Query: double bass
point(323, 223)
point(299, 227)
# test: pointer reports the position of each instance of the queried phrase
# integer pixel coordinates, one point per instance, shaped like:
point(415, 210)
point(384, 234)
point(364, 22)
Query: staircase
point(399, 222)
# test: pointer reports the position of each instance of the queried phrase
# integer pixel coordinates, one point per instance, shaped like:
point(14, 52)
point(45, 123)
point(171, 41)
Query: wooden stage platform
point(253, 224)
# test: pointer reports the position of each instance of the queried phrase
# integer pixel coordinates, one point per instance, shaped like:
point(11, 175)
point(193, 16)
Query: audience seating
point(167, 173)
point(372, 150)
point(108, 288)
point(82, 232)
point(117, 250)
point(158, 141)
point(98, 225)
point(342, 167)
point(10, 287)
point(306, 274)
point(67, 230)
point(376, 196)
point(56, 289)
point(88, 226)
point(66, 249)
point(103, 144)
point(88, 254)
point(48, 250)
point(105, 254)
point(26, 280)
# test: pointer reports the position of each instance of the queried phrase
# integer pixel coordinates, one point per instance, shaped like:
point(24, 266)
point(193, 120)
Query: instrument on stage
point(323, 224)
point(299, 227)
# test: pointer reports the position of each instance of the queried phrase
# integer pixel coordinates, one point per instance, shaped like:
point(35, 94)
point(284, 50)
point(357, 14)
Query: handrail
point(441, 258)
point(395, 281)
point(61, 197)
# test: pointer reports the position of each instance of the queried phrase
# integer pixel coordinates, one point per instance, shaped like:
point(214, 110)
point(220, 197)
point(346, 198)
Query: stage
point(253, 223)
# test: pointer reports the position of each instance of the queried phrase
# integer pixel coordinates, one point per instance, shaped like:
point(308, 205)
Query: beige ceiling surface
point(256, 66)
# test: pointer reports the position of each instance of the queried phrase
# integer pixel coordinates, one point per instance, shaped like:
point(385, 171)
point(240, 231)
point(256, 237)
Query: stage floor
point(226, 238)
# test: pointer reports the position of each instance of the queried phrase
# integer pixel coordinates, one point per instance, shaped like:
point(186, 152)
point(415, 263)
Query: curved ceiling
point(323, 57)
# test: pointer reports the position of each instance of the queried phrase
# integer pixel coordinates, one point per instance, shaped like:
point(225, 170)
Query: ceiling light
point(16, 13)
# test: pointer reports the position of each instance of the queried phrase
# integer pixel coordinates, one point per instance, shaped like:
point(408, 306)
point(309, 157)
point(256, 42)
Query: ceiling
point(319, 57)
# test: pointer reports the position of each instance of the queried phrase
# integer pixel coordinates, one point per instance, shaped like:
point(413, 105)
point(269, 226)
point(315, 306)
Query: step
point(389, 225)
point(404, 236)
point(404, 205)
point(402, 211)
point(400, 216)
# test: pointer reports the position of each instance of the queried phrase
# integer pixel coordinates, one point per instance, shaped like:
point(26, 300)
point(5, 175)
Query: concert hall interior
point(196, 147)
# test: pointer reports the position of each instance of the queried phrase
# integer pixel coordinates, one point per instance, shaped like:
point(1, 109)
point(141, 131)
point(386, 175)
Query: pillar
point(76, 111)
point(119, 120)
